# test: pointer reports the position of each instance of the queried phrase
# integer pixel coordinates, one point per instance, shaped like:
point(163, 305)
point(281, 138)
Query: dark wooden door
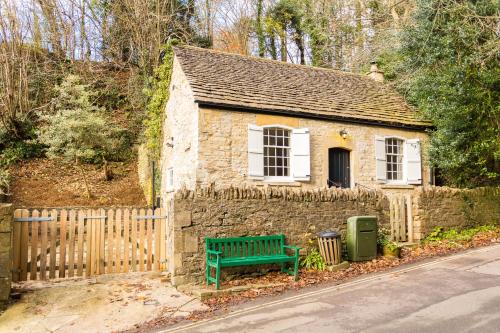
point(339, 168)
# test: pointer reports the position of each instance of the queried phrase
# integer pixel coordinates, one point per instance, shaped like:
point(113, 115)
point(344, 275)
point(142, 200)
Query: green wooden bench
point(244, 251)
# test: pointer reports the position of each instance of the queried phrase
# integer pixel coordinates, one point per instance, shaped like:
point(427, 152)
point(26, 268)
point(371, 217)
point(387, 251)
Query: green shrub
point(382, 237)
point(313, 260)
point(439, 234)
point(79, 131)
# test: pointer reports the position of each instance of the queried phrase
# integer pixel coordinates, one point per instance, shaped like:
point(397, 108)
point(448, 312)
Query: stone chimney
point(375, 73)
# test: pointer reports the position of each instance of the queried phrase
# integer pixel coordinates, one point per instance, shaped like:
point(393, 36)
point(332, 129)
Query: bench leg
point(217, 278)
point(207, 274)
point(296, 268)
point(283, 268)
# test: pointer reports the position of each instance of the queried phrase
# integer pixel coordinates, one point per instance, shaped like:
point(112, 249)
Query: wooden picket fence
point(60, 243)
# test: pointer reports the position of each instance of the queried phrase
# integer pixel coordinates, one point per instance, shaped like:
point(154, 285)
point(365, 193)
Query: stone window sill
point(272, 183)
point(398, 186)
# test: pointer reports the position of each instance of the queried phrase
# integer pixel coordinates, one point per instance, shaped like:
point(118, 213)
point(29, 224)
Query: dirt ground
point(107, 303)
point(51, 183)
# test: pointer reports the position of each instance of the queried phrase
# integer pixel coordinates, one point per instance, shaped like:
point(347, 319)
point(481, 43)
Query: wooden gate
point(60, 243)
point(401, 218)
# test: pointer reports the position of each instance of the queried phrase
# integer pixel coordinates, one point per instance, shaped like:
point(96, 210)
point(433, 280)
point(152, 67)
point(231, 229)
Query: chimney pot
point(375, 73)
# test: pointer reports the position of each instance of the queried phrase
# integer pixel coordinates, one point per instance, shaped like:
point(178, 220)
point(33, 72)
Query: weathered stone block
point(6, 217)
point(4, 288)
point(182, 219)
point(190, 242)
point(5, 264)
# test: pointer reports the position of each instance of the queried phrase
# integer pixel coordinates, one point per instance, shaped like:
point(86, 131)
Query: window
point(170, 178)
point(394, 158)
point(276, 152)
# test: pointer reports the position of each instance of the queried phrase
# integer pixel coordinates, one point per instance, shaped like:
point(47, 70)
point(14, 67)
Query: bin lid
point(329, 234)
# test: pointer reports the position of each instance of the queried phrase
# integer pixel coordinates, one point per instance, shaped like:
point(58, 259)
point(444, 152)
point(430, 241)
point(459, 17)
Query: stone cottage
point(237, 120)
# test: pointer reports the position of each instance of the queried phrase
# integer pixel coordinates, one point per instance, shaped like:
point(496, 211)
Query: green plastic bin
point(361, 238)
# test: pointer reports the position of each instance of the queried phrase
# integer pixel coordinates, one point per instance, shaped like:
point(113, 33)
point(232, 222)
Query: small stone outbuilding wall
point(6, 217)
point(454, 208)
point(235, 212)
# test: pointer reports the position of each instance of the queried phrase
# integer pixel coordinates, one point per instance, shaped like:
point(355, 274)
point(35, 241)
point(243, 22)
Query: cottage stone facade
point(206, 144)
point(223, 142)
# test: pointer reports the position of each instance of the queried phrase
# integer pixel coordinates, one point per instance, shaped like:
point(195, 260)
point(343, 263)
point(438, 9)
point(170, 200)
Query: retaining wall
point(6, 217)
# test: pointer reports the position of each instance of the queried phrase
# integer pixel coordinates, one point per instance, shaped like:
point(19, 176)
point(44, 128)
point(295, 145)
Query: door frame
point(349, 151)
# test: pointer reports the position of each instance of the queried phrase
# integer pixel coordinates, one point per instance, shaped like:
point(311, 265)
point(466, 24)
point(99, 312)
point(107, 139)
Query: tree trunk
point(299, 40)
point(85, 182)
point(260, 31)
point(283, 51)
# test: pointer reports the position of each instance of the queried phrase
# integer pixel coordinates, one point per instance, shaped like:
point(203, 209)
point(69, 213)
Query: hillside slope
point(50, 183)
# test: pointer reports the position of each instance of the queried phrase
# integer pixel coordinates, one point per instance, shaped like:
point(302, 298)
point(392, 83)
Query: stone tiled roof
point(262, 85)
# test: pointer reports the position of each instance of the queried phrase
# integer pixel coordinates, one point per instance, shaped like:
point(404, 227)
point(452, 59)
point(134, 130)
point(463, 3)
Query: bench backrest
point(247, 246)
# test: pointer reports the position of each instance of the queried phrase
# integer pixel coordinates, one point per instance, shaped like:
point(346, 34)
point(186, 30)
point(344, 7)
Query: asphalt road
point(460, 293)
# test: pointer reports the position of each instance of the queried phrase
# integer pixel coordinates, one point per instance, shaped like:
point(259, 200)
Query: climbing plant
point(158, 94)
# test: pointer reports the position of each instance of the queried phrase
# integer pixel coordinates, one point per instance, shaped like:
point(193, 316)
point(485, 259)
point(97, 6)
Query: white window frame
point(403, 180)
point(289, 178)
point(170, 179)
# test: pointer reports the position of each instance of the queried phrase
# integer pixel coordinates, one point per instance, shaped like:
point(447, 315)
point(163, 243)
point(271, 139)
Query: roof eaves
point(292, 113)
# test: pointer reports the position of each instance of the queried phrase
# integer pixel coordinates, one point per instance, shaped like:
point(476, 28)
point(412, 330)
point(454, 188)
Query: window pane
point(394, 157)
point(276, 152)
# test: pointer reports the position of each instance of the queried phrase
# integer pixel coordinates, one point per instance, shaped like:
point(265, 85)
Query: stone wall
point(144, 171)
point(6, 216)
point(301, 214)
point(454, 208)
point(255, 211)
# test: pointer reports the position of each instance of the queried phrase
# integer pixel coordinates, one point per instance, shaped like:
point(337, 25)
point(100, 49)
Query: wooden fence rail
point(60, 243)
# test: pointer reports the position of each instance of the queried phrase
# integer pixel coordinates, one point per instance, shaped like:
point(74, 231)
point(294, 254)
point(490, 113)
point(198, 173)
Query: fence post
point(6, 221)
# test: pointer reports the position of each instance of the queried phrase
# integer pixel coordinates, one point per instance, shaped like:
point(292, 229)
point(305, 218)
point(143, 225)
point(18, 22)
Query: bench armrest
point(292, 247)
point(211, 253)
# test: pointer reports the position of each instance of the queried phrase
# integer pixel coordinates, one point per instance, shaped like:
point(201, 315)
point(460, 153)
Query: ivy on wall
point(158, 95)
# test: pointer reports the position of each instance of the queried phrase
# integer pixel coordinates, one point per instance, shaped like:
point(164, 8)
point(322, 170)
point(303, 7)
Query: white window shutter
point(380, 159)
point(301, 154)
point(413, 161)
point(255, 152)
